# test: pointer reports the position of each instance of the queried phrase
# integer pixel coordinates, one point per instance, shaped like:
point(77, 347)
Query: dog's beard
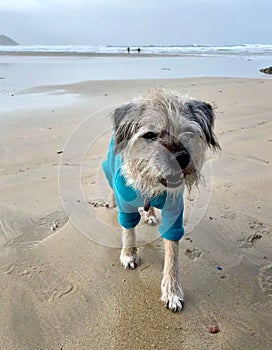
point(145, 179)
point(149, 180)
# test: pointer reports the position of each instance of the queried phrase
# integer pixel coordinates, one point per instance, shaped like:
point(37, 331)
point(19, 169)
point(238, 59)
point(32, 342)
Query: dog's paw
point(172, 297)
point(173, 302)
point(151, 220)
point(149, 216)
point(129, 258)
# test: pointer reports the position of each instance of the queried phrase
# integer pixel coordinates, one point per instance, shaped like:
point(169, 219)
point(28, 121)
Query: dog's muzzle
point(177, 163)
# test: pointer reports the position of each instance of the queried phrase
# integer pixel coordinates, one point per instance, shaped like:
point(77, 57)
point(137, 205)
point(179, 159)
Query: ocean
point(248, 50)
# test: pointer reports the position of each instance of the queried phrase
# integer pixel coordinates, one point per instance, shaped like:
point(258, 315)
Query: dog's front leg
point(128, 255)
point(172, 294)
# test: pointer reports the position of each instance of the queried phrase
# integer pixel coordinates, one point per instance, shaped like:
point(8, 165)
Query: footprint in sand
point(250, 241)
point(265, 279)
point(193, 253)
point(259, 229)
point(227, 212)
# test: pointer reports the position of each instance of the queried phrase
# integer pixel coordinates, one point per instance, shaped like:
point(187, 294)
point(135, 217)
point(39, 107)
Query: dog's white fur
point(128, 257)
point(175, 121)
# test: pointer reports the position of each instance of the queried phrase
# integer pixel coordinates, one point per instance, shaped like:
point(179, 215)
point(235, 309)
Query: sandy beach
point(62, 285)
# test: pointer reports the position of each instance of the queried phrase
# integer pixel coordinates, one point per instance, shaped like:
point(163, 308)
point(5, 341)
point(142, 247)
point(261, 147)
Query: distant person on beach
point(128, 49)
point(139, 50)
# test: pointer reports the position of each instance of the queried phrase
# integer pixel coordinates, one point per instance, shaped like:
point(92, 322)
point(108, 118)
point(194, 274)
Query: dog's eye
point(150, 136)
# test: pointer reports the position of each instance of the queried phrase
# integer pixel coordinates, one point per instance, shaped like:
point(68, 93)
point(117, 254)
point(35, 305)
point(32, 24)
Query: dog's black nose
point(183, 158)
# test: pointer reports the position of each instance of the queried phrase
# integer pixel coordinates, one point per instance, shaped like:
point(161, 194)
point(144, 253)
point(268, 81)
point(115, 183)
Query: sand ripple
point(25, 231)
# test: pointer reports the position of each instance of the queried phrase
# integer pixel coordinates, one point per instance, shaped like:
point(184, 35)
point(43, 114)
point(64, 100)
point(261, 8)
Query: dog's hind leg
point(128, 255)
point(111, 203)
point(172, 294)
point(101, 203)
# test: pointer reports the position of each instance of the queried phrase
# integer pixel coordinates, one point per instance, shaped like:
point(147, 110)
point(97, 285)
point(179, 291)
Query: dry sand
point(60, 290)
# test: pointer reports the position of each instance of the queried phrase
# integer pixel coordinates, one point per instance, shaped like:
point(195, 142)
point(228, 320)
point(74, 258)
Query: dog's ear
point(123, 119)
point(202, 113)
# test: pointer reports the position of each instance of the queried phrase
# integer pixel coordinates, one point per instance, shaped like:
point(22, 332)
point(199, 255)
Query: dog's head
point(163, 138)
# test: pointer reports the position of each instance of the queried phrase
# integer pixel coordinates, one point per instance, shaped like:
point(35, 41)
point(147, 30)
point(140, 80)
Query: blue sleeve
point(172, 219)
point(129, 220)
point(109, 164)
point(125, 196)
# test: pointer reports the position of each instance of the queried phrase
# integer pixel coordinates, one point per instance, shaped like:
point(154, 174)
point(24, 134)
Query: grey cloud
point(138, 22)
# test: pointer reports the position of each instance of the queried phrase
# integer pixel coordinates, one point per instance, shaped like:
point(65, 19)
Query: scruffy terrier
point(158, 146)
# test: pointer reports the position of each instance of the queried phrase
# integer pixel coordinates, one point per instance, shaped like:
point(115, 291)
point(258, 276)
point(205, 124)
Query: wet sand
point(60, 289)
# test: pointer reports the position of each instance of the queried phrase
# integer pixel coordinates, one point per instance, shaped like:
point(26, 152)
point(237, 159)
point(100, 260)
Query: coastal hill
point(5, 40)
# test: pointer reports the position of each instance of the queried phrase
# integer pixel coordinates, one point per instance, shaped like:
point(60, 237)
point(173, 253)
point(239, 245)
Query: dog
point(158, 147)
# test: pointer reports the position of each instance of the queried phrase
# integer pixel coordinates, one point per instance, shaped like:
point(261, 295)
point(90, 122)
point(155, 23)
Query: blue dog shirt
point(128, 200)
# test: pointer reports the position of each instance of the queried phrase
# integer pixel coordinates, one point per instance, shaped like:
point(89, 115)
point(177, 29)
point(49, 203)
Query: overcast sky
point(137, 22)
